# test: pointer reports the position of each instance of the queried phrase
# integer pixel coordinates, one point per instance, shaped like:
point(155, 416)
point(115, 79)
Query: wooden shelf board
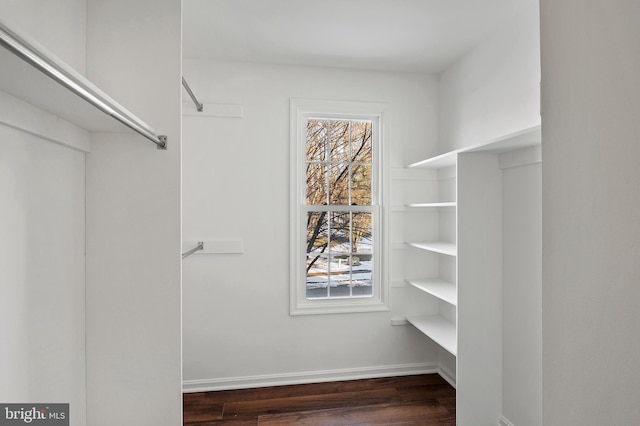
point(436, 246)
point(443, 290)
point(438, 329)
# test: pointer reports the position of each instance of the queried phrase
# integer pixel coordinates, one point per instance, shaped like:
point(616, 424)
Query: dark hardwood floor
point(422, 400)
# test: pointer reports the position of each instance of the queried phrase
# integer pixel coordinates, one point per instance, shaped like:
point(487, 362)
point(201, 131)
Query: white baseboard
point(504, 422)
point(246, 382)
point(446, 374)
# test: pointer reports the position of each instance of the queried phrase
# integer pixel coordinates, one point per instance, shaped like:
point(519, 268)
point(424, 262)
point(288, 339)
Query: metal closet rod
point(39, 60)
point(199, 105)
point(187, 253)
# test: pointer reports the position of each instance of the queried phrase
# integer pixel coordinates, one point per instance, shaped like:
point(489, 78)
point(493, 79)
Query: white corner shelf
point(438, 329)
point(432, 205)
point(464, 307)
point(509, 142)
point(441, 247)
point(444, 160)
point(443, 290)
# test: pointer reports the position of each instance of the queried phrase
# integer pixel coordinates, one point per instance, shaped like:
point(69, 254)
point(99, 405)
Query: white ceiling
point(397, 35)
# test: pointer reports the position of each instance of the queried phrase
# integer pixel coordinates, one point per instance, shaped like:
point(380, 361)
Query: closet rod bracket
point(162, 142)
point(200, 246)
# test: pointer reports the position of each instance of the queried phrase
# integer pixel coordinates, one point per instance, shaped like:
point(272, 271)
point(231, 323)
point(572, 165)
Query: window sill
point(337, 306)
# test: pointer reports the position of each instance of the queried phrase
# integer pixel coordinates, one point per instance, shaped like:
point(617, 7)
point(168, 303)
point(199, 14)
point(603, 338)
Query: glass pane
point(340, 233)
point(339, 277)
point(362, 284)
point(361, 141)
point(316, 184)
point(317, 233)
point(316, 140)
point(340, 286)
point(362, 274)
point(361, 185)
point(317, 275)
point(339, 141)
point(362, 233)
point(339, 184)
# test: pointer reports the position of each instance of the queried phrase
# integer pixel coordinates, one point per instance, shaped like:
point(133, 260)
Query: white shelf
point(440, 161)
point(509, 142)
point(438, 329)
point(24, 81)
point(443, 290)
point(432, 205)
point(436, 246)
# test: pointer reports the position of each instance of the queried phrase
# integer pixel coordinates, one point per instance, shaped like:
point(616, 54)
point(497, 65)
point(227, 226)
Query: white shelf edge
point(443, 160)
point(436, 246)
point(530, 136)
point(438, 329)
point(517, 140)
point(431, 205)
point(443, 290)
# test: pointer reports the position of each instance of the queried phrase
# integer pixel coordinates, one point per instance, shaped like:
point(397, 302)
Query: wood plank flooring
point(422, 400)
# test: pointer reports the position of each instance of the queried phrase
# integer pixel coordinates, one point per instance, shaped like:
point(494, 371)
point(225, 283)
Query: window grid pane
point(340, 254)
point(339, 242)
point(344, 148)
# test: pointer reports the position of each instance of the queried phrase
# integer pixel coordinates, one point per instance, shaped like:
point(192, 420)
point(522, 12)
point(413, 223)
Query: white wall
point(494, 90)
point(42, 221)
point(133, 219)
point(522, 300)
point(41, 272)
point(591, 275)
point(236, 184)
point(58, 25)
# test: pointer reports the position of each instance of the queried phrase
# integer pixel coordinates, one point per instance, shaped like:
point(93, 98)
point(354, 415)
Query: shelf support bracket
point(199, 105)
point(187, 253)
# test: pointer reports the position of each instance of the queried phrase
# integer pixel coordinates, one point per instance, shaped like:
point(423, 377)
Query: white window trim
point(300, 111)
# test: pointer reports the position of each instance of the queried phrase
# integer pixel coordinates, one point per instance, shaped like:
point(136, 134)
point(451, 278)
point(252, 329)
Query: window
point(336, 207)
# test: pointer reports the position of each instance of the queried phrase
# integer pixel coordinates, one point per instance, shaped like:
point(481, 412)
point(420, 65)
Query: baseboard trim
point(246, 382)
point(446, 374)
point(504, 422)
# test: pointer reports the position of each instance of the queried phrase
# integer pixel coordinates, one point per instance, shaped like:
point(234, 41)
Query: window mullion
point(349, 168)
point(351, 254)
point(327, 153)
point(329, 231)
point(327, 158)
point(349, 177)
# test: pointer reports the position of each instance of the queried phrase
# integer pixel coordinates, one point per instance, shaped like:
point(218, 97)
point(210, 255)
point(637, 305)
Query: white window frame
point(300, 111)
